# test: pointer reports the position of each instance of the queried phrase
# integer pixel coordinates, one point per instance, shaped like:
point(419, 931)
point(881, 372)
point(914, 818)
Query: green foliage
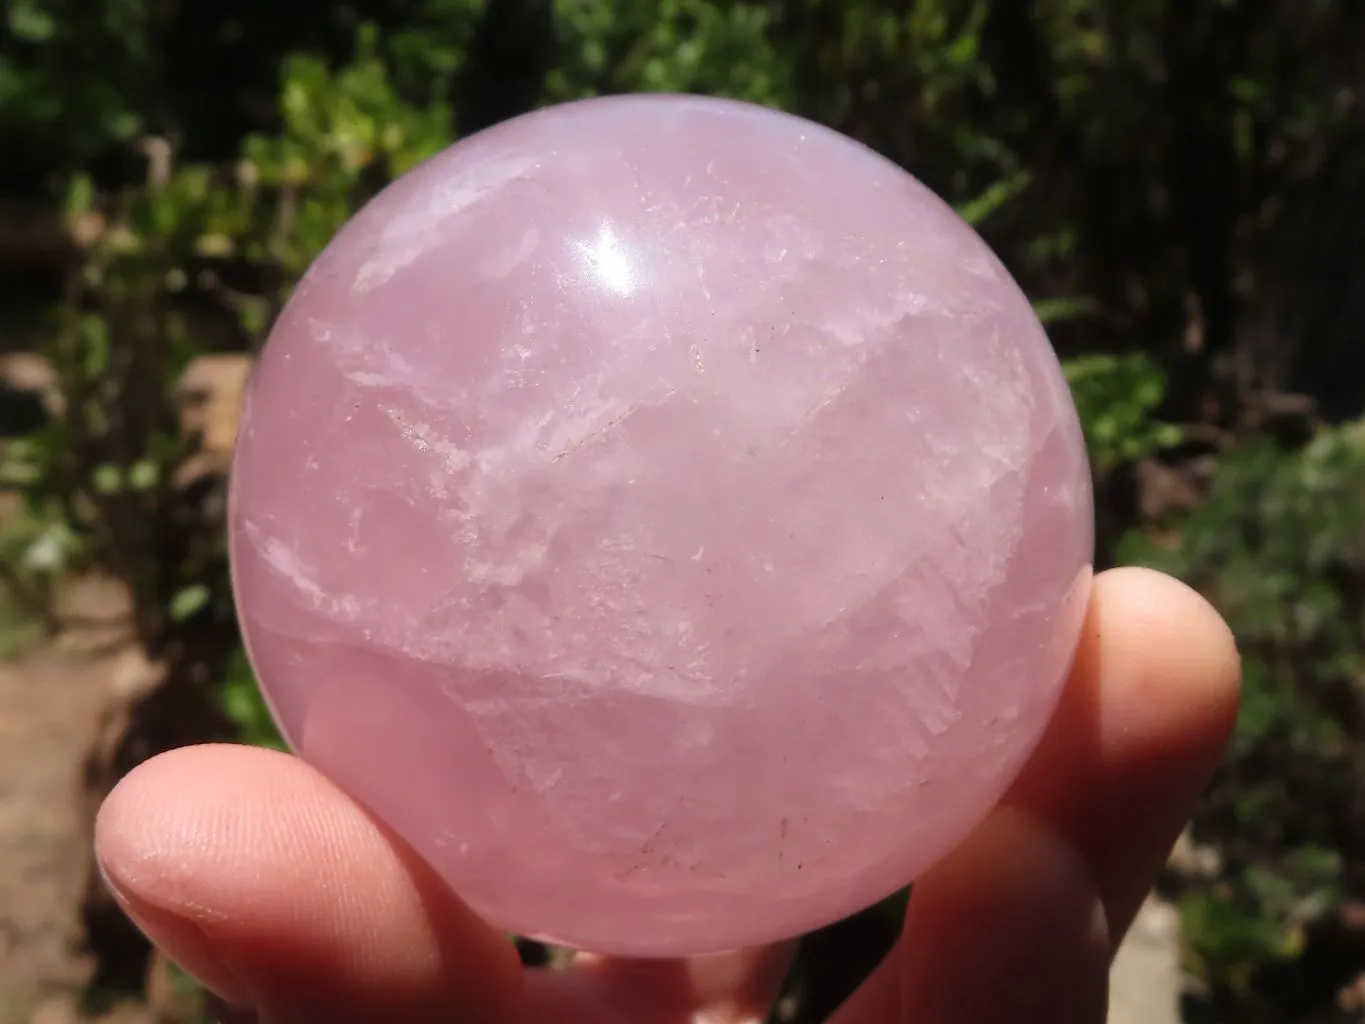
point(698, 46)
point(1118, 398)
point(344, 134)
point(108, 483)
point(1279, 546)
point(67, 76)
point(427, 50)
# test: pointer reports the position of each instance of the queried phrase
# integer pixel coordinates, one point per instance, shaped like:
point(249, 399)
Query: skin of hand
point(286, 899)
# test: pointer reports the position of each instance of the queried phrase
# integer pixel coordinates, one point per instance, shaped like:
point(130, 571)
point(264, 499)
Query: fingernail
point(184, 942)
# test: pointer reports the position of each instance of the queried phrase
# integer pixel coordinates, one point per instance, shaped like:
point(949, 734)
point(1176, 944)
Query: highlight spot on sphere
point(669, 517)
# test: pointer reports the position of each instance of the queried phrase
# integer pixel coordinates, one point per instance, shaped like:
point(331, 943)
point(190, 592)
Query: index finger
point(1020, 922)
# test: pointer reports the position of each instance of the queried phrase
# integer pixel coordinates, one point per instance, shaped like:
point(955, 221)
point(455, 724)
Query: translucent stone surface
point(669, 517)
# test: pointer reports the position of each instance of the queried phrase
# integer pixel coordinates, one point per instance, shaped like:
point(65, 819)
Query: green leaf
point(95, 338)
point(143, 475)
point(241, 699)
point(993, 199)
point(107, 479)
point(30, 24)
point(80, 194)
point(1055, 311)
point(189, 602)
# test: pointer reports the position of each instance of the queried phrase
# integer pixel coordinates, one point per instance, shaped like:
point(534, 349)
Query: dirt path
point(1144, 987)
point(49, 701)
point(46, 708)
point(43, 709)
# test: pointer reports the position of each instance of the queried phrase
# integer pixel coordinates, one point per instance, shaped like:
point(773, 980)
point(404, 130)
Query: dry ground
point(49, 702)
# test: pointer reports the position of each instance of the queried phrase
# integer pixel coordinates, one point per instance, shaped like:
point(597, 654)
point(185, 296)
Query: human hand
point(281, 894)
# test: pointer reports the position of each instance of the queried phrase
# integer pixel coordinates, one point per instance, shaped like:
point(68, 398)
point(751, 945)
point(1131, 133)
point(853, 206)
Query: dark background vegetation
point(1178, 184)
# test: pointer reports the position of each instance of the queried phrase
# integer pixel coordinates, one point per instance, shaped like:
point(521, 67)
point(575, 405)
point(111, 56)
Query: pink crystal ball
point(668, 517)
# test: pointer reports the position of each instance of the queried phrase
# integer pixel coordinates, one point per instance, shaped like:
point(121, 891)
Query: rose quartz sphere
point(666, 515)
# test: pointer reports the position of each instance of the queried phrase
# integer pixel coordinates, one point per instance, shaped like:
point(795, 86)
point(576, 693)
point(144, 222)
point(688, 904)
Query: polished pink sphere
point(669, 517)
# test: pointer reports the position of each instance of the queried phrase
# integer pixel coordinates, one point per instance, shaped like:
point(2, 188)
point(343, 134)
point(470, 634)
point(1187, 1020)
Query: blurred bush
point(1177, 185)
point(1279, 546)
point(194, 259)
